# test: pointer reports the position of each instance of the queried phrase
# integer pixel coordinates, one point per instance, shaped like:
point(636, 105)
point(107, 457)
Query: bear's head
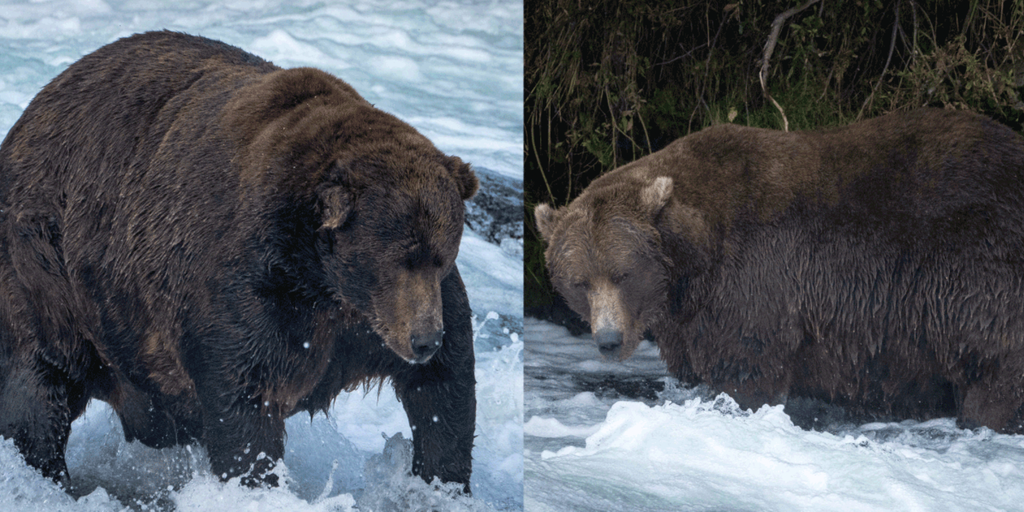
point(391, 224)
point(384, 206)
point(623, 254)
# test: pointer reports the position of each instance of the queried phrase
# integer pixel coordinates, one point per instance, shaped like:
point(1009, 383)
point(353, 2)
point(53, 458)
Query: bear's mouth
point(415, 347)
point(424, 346)
point(609, 342)
point(615, 345)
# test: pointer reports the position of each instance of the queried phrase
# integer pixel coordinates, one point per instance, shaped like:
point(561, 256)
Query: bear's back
point(78, 138)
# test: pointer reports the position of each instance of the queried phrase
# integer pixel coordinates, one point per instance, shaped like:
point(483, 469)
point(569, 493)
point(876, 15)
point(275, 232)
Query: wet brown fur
point(211, 244)
point(878, 266)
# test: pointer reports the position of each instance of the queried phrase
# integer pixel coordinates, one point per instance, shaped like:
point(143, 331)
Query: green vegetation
point(608, 81)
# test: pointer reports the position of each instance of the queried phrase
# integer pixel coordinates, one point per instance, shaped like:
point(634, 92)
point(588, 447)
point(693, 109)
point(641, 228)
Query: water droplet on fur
point(266, 404)
point(305, 345)
point(246, 450)
point(435, 419)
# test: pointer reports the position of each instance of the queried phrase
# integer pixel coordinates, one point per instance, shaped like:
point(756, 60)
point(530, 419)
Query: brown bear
point(210, 244)
point(878, 267)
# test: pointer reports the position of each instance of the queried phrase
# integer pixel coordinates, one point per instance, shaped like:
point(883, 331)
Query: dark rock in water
point(620, 387)
point(496, 211)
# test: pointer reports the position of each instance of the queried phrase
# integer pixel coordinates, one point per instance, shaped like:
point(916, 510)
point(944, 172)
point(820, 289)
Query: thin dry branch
point(892, 45)
point(769, 47)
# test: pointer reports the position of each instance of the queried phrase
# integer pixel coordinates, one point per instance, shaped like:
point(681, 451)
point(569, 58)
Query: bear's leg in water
point(440, 396)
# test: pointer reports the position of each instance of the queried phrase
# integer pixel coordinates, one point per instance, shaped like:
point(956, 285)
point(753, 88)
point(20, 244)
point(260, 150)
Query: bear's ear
point(335, 205)
point(463, 174)
point(655, 195)
point(547, 218)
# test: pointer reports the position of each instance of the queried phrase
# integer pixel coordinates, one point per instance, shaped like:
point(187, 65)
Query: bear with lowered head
point(211, 244)
point(877, 267)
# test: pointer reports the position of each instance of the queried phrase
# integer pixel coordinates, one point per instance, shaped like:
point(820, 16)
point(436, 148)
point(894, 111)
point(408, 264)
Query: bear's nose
point(609, 342)
point(424, 346)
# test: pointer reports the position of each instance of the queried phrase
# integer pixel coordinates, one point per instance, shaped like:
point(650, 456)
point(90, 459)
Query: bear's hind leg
point(145, 419)
point(37, 406)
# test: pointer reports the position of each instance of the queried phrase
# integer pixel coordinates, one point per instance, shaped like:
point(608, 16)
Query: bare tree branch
point(769, 47)
point(892, 44)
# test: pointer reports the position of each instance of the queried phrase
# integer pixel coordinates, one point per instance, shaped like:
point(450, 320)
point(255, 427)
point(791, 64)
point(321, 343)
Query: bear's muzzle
point(425, 345)
point(609, 342)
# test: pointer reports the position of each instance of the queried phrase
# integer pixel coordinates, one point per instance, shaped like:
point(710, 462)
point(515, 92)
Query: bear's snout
point(409, 319)
point(609, 342)
point(424, 346)
point(611, 322)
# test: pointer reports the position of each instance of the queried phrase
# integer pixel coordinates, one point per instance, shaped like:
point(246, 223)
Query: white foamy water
point(453, 70)
point(604, 436)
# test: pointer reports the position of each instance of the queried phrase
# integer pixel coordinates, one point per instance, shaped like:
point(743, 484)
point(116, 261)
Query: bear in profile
point(210, 244)
point(878, 267)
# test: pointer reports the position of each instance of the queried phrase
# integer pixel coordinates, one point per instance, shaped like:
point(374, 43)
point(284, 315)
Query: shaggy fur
point(211, 244)
point(879, 267)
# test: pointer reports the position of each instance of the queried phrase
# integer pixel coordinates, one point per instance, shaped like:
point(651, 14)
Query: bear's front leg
point(994, 403)
point(440, 396)
point(243, 437)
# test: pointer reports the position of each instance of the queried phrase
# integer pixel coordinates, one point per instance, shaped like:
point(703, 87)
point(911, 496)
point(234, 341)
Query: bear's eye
point(581, 285)
point(620, 277)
